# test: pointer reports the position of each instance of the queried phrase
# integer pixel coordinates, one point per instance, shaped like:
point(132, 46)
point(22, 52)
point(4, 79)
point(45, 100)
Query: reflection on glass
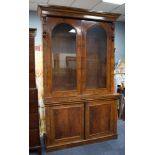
point(63, 58)
point(96, 51)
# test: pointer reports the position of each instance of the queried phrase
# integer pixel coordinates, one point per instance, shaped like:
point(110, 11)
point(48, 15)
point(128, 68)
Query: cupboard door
point(62, 57)
point(96, 66)
point(101, 118)
point(65, 123)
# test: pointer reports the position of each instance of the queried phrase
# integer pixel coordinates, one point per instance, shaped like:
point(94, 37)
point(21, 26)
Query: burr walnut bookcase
point(78, 64)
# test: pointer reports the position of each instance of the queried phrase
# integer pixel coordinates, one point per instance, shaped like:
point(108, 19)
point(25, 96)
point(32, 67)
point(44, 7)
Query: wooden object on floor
point(78, 69)
point(34, 137)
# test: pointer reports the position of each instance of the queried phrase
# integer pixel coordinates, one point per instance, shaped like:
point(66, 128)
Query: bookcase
point(78, 68)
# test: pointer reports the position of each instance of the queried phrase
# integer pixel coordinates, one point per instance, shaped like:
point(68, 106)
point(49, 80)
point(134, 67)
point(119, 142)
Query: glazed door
point(96, 55)
point(62, 67)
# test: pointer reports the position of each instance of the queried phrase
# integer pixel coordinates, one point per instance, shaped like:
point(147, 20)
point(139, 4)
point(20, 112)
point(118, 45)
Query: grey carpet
point(111, 147)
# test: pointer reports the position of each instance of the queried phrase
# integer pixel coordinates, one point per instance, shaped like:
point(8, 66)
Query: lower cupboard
point(75, 123)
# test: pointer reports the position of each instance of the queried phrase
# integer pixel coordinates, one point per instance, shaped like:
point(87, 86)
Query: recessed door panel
point(100, 118)
point(66, 123)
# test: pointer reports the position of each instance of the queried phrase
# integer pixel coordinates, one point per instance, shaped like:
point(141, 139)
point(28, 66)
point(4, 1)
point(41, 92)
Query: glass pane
point(96, 53)
point(64, 58)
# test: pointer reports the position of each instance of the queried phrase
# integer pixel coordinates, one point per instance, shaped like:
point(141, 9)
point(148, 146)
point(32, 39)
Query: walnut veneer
point(78, 68)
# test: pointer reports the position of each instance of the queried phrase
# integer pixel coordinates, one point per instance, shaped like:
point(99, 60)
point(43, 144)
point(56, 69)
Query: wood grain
point(70, 12)
point(85, 112)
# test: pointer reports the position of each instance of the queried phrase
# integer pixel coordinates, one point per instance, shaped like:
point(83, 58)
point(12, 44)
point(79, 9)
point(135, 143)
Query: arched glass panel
point(96, 58)
point(64, 58)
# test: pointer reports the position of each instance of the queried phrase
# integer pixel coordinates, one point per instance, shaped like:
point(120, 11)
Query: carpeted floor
point(111, 147)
